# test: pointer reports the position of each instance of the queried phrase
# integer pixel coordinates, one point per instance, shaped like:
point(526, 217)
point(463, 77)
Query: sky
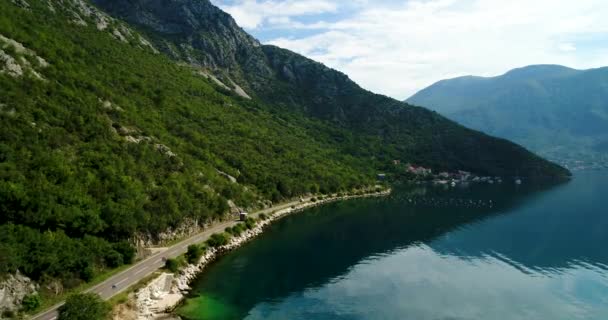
point(397, 48)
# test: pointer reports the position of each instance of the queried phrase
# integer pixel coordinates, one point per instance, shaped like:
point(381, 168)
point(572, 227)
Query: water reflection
point(553, 230)
point(418, 283)
point(499, 252)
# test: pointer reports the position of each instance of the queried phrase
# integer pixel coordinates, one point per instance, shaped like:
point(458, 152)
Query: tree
point(84, 306)
point(87, 274)
point(126, 250)
point(113, 259)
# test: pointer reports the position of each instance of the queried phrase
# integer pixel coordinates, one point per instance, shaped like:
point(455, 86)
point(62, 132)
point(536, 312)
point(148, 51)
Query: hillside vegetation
point(108, 135)
point(366, 125)
point(115, 140)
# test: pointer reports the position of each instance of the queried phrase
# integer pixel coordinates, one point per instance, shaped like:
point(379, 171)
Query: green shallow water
point(484, 252)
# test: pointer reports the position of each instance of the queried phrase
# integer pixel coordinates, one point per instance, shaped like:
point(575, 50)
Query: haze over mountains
point(559, 112)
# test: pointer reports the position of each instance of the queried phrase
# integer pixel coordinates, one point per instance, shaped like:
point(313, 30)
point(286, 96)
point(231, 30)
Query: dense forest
point(103, 138)
point(367, 125)
point(113, 140)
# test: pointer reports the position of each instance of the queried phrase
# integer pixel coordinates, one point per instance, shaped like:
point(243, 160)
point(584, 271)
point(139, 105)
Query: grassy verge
point(123, 297)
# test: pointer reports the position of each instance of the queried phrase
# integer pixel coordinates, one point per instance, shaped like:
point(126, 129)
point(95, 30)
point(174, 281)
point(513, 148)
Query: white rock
point(12, 290)
point(9, 65)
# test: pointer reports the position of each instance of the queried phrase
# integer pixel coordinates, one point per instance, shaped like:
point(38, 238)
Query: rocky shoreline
point(162, 295)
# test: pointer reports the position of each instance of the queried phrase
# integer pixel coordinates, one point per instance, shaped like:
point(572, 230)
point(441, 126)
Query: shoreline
point(160, 297)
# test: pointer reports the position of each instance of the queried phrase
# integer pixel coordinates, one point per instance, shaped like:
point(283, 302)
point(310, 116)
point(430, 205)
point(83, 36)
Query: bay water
point(501, 251)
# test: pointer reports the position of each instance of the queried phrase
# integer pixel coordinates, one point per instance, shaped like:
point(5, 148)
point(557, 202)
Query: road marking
point(53, 318)
point(140, 271)
point(121, 281)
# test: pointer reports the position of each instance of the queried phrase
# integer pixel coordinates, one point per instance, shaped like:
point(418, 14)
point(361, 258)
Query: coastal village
point(422, 175)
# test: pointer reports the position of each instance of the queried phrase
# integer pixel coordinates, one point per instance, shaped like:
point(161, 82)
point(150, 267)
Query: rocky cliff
point(12, 291)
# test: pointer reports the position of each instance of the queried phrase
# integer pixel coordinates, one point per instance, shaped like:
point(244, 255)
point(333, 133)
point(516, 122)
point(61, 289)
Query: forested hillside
point(559, 112)
point(108, 134)
point(106, 139)
point(367, 125)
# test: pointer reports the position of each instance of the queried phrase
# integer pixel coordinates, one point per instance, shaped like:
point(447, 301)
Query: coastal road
point(123, 280)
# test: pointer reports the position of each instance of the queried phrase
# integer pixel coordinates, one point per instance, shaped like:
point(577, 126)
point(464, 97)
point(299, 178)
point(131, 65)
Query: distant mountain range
point(558, 112)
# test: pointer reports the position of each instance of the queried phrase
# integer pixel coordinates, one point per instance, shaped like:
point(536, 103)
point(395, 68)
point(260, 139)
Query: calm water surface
point(485, 252)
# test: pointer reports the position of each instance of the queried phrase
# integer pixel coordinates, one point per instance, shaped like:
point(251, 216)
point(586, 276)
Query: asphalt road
point(122, 281)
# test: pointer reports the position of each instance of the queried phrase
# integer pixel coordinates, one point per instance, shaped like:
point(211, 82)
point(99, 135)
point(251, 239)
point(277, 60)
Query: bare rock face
point(13, 289)
point(82, 13)
point(184, 20)
point(187, 228)
point(16, 60)
point(10, 65)
point(200, 34)
point(227, 176)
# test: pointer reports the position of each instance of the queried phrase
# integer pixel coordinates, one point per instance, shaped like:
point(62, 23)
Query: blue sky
point(399, 47)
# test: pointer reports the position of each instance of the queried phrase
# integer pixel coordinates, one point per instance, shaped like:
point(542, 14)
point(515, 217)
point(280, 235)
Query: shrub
point(250, 223)
point(238, 229)
point(31, 302)
point(218, 239)
point(84, 306)
point(194, 253)
point(172, 265)
point(263, 216)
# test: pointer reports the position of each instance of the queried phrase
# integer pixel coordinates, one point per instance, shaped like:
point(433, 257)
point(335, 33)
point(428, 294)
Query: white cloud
point(567, 47)
point(252, 14)
point(398, 48)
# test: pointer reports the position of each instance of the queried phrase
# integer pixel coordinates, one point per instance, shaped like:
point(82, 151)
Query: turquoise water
point(484, 252)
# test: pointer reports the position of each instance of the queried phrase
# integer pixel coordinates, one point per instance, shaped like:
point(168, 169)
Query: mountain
point(106, 142)
point(137, 121)
point(371, 125)
point(556, 111)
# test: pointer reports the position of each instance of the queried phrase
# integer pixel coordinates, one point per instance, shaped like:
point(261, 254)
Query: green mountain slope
point(369, 125)
point(106, 137)
point(109, 140)
point(556, 111)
